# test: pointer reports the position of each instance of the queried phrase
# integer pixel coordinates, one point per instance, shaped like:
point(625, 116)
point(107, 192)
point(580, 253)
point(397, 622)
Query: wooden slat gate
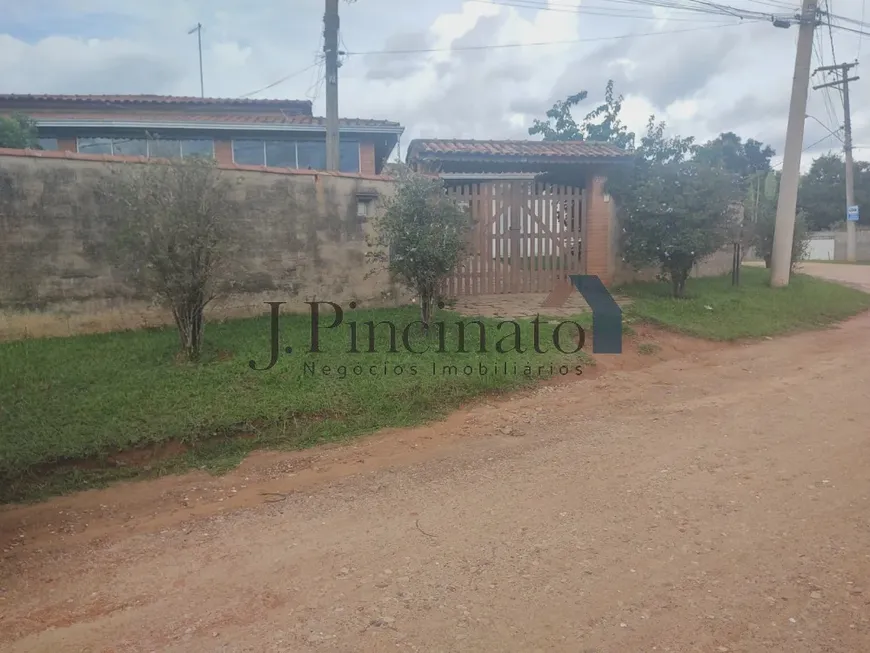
point(526, 239)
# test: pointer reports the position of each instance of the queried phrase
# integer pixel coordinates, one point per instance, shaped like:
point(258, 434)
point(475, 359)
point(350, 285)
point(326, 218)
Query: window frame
point(148, 145)
point(296, 142)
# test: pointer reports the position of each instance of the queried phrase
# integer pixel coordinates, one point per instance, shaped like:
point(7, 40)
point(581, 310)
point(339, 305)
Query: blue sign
point(852, 213)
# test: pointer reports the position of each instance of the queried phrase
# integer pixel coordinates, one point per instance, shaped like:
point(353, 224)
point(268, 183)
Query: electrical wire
point(586, 10)
point(831, 131)
point(806, 149)
point(280, 81)
point(826, 92)
point(833, 52)
point(500, 46)
point(861, 37)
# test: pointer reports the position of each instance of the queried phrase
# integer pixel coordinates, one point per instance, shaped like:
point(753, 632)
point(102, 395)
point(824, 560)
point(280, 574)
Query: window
point(362, 208)
point(158, 148)
point(130, 147)
point(281, 154)
point(249, 153)
point(200, 147)
point(311, 154)
point(47, 143)
point(294, 154)
point(348, 156)
point(164, 148)
point(94, 145)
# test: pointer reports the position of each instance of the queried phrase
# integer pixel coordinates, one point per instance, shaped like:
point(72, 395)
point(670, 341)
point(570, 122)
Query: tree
point(420, 237)
point(171, 231)
point(762, 202)
point(822, 191)
point(602, 124)
point(730, 152)
point(674, 212)
point(18, 132)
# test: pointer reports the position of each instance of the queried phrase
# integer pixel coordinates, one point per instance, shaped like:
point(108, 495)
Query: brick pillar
point(223, 151)
point(367, 158)
point(598, 246)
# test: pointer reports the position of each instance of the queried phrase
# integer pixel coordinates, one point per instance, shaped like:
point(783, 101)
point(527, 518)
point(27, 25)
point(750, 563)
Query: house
point(274, 133)
point(540, 208)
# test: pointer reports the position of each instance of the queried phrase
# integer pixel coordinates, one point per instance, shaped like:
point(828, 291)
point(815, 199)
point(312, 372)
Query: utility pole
point(330, 50)
point(843, 80)
point(786, 207)
point(198, 30)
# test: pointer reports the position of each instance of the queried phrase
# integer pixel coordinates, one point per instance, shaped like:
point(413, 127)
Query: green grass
point(716, 310)
point(648, 348)
point(86, 398)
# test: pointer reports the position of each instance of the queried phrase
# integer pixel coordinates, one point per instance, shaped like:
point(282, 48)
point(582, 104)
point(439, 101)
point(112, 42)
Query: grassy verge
point(716, 310)
point(74, 412)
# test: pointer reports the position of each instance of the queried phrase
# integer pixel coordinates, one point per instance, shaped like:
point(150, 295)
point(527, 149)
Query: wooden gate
point(526, 239)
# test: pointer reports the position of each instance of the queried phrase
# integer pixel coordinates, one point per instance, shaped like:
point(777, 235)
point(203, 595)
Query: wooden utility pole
point(330, 50)
point(786, 207)
point(843, 80)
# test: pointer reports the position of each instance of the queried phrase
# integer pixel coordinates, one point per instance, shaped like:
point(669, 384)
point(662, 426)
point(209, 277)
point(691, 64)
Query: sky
point(702, 74)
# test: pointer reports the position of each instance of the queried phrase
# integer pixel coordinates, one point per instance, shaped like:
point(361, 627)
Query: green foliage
point(602, 124)
point(728, 151)
point(91, 397)
point(420, 237)
point(822, 191)
point(675, 215)
point(18, 132)
point(674, 212)
point(762, 238)
point(717, 310)
point(171, 230)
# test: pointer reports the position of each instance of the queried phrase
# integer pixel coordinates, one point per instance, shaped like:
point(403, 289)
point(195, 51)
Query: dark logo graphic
point(606, 314)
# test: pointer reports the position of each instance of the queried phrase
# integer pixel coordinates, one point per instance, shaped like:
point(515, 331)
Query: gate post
point(599, 247)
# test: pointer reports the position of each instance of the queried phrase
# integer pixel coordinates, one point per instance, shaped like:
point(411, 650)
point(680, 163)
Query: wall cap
point(110, 158)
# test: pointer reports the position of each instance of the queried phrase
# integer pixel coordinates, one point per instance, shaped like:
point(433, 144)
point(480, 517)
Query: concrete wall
point(306, 243)
point(713, 266)
point(863, 244)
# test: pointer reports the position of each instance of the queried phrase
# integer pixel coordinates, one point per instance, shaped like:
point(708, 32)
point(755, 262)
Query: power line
point(826, 93)
point(853, 31)
point(808, 147)
point(831, 31)
point(830, 131)
point(585, 10)
point(861, 37)
point(280, 81)
point(539, 43)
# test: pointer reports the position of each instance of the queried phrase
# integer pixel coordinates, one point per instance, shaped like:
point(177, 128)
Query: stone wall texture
point(304, 242)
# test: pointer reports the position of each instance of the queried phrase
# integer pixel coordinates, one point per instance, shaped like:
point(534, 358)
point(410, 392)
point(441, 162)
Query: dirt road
point(715, 500)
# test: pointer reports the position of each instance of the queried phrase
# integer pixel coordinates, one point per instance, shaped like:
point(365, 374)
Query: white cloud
point(700, 76)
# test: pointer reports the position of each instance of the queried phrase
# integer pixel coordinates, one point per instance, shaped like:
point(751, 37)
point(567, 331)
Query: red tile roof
point(436, 148)
point(178, 116)
point(303, 105)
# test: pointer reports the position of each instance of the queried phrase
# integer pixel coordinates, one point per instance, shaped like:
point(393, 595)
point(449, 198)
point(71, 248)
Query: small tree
point(602, 124)
point(18, 132)
point(420, 237)
point(674, 215)
point(762, 239)
point(674, 212)
point(171, 233)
